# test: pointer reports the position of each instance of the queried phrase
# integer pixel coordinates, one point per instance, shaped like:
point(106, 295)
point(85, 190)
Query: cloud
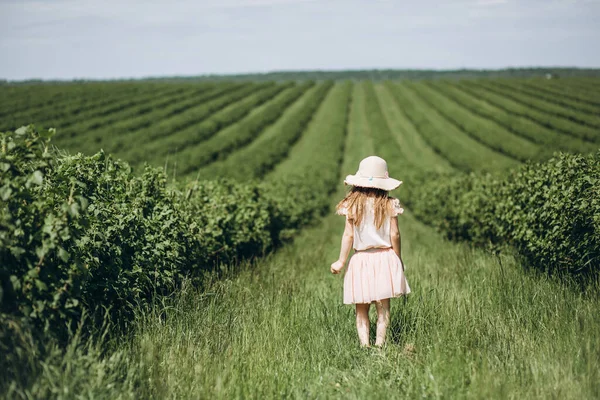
point(112, 38)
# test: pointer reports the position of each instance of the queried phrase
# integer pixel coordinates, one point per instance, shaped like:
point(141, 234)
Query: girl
point(375, 272)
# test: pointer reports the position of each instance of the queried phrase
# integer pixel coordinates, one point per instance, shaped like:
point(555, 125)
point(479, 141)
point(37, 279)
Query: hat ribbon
point(387, 175)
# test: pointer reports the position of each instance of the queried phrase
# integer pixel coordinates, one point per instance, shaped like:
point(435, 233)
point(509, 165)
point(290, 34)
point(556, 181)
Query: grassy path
point(471, 328)
point(474, 326)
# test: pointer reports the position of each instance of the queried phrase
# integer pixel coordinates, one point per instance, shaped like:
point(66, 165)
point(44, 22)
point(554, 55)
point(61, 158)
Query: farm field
point(199, 129)
point(476, 325)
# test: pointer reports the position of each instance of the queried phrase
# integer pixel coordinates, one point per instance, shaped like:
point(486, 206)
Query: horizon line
point(300, 71)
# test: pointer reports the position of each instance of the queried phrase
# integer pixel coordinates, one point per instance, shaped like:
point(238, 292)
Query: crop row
point(411, 149)
point(237, 135)
point(516, 124)
point(62, 116)
point(189, 117)
point(320, 148)
point(390, 144)
point(14, 101)
point(557, 104)
point(108, 107)
point(204, 132)
point(312, 166)
point(480, 129)
point(70, 111)
point(28, 99)
point(588, 87)
point(459, 149)
point(151, 102)
point(519, 108)
point(260, 156)
point(379, 129)
point(91, 141)
point(580, 97)
point(553, 114)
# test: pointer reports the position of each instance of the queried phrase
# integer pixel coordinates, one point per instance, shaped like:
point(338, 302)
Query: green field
point(477, 325)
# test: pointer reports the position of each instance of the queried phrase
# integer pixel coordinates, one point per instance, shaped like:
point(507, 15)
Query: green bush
point(550, 212)
point(83, 234)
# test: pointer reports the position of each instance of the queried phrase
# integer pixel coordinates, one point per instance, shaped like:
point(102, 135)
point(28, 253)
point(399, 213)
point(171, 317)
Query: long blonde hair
point(356, 200)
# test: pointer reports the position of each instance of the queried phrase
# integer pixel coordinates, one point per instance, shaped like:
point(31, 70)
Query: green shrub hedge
point(84, 234)
point(550, 212)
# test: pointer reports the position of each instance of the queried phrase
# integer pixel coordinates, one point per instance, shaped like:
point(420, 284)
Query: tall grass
point(474, 326)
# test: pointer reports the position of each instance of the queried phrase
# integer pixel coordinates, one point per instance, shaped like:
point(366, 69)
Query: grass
point(411, 146)
point(459, 149)
point(474, 326)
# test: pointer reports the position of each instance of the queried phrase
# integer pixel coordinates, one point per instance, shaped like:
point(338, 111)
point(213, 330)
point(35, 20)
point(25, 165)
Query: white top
point(366, 235)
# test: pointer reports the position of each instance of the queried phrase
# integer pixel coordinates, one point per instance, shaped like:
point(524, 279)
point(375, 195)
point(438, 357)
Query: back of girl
point(375, 271)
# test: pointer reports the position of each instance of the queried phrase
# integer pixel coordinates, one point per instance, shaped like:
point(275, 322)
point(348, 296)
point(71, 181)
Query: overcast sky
point(135, 38)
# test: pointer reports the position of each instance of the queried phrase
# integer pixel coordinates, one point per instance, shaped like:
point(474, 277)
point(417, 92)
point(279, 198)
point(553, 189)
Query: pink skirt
point(374, 274)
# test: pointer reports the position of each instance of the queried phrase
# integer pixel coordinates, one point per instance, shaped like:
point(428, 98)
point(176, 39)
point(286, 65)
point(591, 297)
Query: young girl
point(375, 272)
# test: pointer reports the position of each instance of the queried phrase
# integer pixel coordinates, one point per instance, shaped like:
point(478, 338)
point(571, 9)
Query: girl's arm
point(395, 239)
point(347, 241)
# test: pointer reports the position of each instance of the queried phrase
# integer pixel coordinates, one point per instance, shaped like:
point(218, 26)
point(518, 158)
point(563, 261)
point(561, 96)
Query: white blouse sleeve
point(396, 208)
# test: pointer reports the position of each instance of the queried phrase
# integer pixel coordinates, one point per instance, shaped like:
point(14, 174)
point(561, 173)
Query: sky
point(68, 39)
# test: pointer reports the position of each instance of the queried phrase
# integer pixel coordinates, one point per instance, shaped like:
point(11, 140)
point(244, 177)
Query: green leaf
point(5, 192)
point(41, 285)
point(74, 210)
point(22, 130)
point(16, 283)
point(37, 177)
point(33, 273)
point(63, 254)
point(48, 133)
point(70, 303)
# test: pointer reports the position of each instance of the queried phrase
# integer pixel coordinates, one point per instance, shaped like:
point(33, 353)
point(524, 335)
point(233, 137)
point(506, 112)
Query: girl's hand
point(336, 267)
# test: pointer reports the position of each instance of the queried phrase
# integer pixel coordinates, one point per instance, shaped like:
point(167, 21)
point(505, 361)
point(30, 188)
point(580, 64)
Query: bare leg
point(363, 324)
point(383, 320)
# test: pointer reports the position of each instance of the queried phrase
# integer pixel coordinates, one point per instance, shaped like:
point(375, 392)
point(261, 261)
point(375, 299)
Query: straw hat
point(373, 173)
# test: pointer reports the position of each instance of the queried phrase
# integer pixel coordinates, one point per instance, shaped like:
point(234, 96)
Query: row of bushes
point(550, 212)
point(83, 234)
